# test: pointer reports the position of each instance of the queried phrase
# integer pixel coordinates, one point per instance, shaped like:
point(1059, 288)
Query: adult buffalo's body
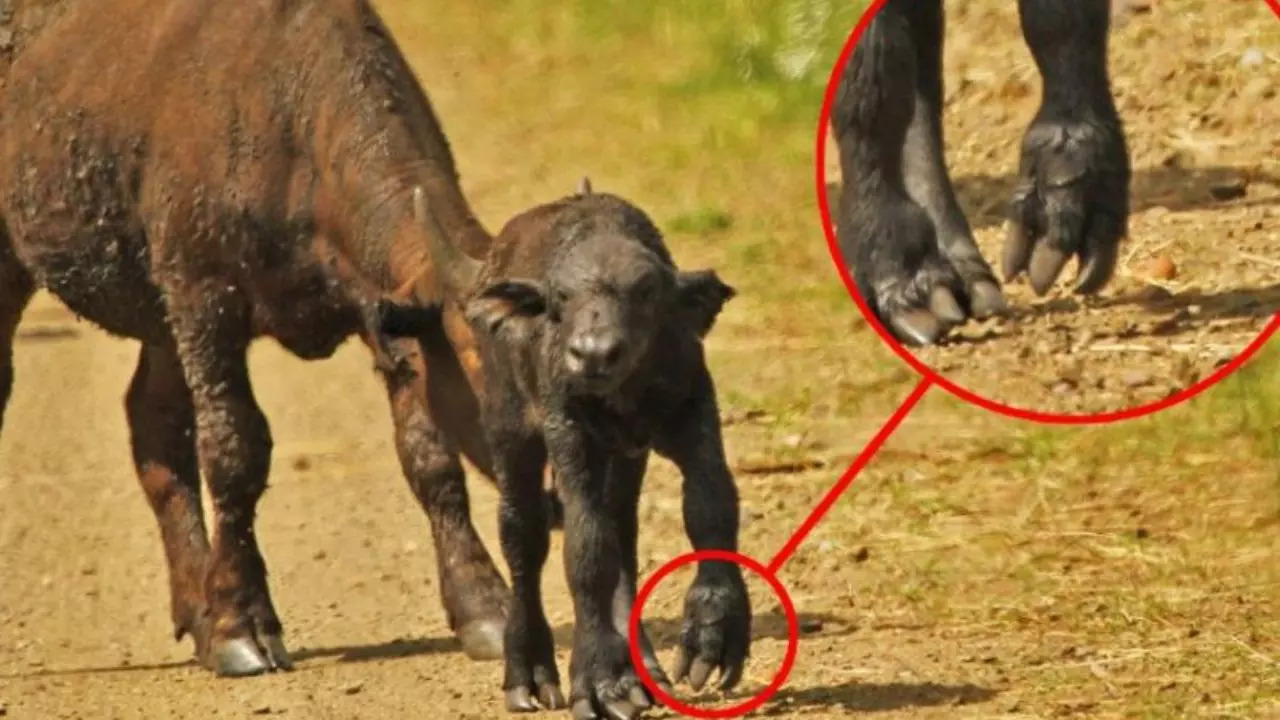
point(592, 352)
point(197, 174)
point(911, 249)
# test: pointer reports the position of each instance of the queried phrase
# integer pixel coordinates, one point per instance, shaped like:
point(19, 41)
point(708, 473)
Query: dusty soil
point(978, 568)
point(1199, 276)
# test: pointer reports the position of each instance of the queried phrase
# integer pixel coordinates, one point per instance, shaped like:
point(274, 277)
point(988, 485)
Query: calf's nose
point(594, 353)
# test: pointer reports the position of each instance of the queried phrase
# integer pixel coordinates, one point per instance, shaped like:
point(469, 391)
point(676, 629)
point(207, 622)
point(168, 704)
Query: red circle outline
point(924, 370)
point(788, 660)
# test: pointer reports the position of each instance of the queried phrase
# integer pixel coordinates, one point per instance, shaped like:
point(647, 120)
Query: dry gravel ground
point(1196, 86)
point(980, 568)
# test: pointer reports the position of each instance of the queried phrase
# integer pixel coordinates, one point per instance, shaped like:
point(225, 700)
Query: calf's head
point(598, 287)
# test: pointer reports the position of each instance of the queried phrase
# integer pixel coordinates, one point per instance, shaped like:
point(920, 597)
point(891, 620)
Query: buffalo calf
point(592, 355)
point(911, 249)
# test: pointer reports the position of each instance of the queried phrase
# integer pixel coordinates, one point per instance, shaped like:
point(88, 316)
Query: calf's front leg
point(716, 633)
point(1072, 197)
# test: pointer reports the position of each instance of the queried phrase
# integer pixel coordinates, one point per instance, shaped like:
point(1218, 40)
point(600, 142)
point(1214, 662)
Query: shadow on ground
point(398, 648)
point(665, 632)
point(873, 697)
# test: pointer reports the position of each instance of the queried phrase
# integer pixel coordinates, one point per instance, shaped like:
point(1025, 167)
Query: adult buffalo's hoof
point(519, 699)
point(242, 657)
point(238, 657)
point(482, 639)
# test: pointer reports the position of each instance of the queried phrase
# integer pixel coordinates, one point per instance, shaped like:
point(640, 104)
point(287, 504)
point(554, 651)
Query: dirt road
point(979, 568)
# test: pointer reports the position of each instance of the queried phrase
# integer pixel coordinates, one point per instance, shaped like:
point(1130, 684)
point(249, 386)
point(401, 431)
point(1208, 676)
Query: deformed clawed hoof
point(944, 304)
point(238, 657)
point(917, 326)
point(927, 325)
point(1046, 264)
point(482, 639)
point(986, 300)
point(549, 698)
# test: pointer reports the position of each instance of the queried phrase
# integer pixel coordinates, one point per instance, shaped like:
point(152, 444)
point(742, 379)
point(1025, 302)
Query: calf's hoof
point(243, 657)
point(482, 639)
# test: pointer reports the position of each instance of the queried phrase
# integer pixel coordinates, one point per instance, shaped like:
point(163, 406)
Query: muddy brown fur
point(196, 175)
point(591, 342)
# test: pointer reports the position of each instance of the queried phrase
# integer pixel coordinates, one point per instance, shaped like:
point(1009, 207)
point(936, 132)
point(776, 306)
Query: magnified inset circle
point(1044, 238)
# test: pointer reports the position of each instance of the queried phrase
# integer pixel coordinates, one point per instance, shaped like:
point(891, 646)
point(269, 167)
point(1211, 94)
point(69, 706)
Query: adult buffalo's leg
point(888, 239)
point(162, 434)
point(16, 289)
point(211, 323)
point(473, 593)
point(1072, 197)
point(530, 679)
point(924, 161)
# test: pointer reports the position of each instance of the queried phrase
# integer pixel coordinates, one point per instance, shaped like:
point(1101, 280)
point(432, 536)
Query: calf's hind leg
point(162, 435)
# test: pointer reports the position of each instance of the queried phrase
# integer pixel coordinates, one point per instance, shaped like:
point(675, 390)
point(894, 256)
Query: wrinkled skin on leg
point(911, 250)
point(1072, 198)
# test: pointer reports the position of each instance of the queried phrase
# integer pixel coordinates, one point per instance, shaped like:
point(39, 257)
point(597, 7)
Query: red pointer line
point(843, 484)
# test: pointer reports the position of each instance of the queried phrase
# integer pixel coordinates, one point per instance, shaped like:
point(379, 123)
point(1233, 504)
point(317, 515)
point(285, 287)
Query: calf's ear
point(702, 296)
point(506, 301)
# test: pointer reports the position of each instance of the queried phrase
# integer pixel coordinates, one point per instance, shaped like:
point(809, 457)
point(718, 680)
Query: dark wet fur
point(594, 266)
